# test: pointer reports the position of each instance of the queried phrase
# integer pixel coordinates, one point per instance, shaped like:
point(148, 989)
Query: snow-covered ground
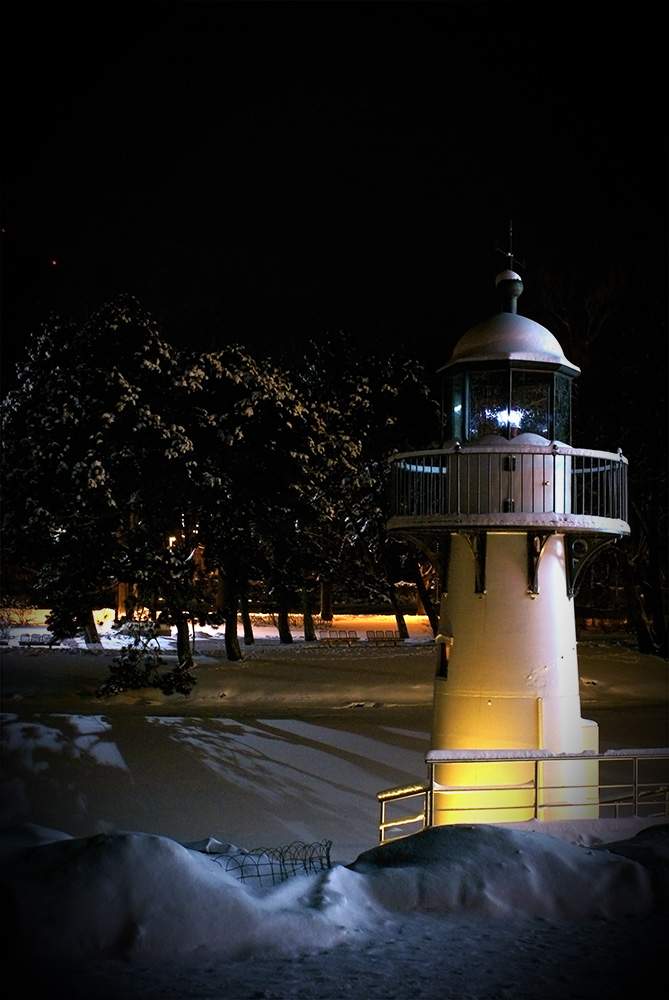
point(125, 821)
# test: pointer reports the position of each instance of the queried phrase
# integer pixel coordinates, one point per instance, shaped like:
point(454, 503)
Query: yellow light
point(504, 791)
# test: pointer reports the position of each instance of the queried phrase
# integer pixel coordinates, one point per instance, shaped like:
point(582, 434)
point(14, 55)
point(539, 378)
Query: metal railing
point(555, 480)
point(629, 783)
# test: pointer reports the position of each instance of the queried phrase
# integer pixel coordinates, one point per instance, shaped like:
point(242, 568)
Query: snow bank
point(496, 871)
point(133, 894)
point(136, 895)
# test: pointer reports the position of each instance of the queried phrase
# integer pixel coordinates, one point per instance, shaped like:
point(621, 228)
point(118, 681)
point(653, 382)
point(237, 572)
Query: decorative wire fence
point(271, 866)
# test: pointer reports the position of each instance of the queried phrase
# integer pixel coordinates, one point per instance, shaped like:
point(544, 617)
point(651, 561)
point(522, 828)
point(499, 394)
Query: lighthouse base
point(507, 680)
point(500, 786)
point(570, 789)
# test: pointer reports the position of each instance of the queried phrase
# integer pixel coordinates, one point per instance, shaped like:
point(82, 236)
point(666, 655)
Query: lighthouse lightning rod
point(509, 253)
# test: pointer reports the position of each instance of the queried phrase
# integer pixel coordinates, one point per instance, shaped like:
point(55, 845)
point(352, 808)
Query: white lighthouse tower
point(509, 512)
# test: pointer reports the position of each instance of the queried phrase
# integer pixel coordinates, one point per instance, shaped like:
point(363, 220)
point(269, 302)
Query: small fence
point(629, 783)
point(271, 866)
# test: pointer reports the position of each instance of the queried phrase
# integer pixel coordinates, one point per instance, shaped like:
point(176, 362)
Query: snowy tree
point(373, 405)
point(257, 440)
point(95, 461)
point(601, 320)
point(177, 478)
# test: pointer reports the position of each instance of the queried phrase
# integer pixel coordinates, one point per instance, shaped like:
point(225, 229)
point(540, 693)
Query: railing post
point(429, 796)
point(458, 482)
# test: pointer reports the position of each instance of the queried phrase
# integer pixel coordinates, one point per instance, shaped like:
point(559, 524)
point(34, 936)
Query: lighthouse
point(509, 512)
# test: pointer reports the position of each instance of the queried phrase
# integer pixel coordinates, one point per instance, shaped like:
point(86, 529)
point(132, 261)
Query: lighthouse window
point(488, 404)
point(531, 403)
point(562, 427)
point(507, 403)
point(454, 409)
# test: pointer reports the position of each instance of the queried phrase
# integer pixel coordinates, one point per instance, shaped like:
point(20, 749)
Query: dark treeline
point(186, 483)
point(179, 481)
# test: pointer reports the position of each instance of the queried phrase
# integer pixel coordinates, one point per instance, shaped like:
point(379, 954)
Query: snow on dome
point(507, 276)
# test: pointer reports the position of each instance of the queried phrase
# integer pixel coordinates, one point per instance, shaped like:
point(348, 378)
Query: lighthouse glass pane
point(562, 424)
point(454, 409)
point(531, 403)
point(488, 404)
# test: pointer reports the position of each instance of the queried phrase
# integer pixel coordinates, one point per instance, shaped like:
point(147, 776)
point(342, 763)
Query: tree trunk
point(424, 597)
point(153, 606)
point(91, 634)
point(249, 637)
point(326, 601)
point(232, 648)
point(227, 605)
point(285, 635)
point(644, 633)
point(309, 630)
point(220, 591)
point(399, 615)
point(184, 651)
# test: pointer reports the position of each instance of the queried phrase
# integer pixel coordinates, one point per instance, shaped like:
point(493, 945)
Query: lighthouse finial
point(510, 259)
point(508, 282)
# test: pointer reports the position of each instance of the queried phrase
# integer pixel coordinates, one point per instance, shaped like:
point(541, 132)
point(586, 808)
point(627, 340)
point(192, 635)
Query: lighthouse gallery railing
point(631, 783)
point(453, 482)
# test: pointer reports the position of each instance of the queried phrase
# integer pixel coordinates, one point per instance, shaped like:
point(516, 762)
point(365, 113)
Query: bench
point(338, 637)
point(38, 639)
point(384, 637)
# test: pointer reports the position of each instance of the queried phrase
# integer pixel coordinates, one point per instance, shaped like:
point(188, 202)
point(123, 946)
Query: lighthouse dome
point(509, 339)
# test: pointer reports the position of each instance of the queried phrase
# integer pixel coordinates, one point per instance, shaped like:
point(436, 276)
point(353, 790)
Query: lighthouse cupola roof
point(509, 339)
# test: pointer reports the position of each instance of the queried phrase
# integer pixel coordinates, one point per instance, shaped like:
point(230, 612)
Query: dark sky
point(251, 178)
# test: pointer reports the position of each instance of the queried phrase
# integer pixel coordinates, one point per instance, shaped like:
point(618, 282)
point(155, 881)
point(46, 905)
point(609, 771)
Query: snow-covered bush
point(140, 664)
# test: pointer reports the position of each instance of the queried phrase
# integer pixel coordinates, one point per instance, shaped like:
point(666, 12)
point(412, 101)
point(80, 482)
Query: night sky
point(267, 173)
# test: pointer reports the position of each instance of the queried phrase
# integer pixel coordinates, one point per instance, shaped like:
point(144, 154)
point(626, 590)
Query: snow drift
point(133, 894)
point(497, 871)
